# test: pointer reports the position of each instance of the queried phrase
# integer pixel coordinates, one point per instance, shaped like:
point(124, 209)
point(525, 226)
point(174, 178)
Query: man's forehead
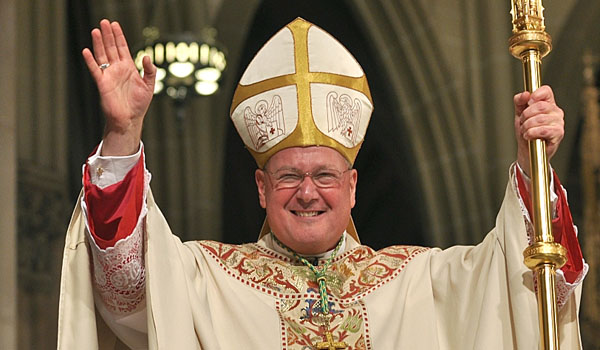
point(298, 157)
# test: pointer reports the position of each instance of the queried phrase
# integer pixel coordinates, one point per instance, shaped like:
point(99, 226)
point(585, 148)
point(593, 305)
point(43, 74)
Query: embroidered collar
point(319, 258)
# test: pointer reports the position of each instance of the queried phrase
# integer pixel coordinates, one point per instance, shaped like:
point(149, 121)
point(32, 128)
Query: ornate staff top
point(528, 28)
point(527, 15)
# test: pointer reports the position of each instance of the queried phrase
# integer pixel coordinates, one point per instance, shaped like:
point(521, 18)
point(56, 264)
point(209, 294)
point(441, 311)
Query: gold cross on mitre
point(330, 344)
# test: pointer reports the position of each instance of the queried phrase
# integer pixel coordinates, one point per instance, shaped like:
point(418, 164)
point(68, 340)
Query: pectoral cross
point(330, 344)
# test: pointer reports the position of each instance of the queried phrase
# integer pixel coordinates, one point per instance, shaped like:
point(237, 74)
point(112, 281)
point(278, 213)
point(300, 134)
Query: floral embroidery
point(302, 332)
point(350, 277)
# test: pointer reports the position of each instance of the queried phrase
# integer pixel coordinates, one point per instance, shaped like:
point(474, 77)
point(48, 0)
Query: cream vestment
point(209, 295)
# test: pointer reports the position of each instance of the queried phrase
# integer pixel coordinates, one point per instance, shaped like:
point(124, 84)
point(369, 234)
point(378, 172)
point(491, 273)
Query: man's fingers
point(92, 65)
point(542, 113)
point(120, 41)
point(542, 119)
point(525, 99)
point(98, 46)
point(520, 101)
point(550, 133)
point(544, 93)
point(538, 117)
point(541, 107)
point(521, 98)
point(108, 38)
point(149, 72)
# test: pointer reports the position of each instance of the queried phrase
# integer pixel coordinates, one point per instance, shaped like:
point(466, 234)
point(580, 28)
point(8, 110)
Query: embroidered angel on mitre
point(343, 115)
point(266, 122)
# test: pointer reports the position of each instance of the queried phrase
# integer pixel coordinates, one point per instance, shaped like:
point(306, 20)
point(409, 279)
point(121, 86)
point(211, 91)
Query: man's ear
point(353, 180)
point(259, 177)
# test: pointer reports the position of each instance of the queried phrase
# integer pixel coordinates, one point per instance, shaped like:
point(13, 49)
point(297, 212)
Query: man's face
point(308, 219)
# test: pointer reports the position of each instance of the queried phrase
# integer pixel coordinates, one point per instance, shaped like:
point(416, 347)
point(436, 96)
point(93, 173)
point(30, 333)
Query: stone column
point(42, 206)
point(8, 177)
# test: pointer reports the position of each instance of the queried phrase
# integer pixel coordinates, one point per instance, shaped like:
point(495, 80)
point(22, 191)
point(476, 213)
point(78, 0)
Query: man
point(302, 108)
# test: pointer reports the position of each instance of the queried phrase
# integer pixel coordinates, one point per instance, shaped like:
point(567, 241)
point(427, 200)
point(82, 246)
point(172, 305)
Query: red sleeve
point(113, 211)
point(562, 229)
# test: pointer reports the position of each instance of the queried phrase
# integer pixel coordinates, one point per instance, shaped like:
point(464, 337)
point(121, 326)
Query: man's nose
point(307, 191)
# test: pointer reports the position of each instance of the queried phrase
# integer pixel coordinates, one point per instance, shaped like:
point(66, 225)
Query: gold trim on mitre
point(306, 132)
point(351, 230)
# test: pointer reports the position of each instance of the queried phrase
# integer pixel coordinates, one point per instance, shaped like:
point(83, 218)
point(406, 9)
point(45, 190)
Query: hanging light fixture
point(184, 64)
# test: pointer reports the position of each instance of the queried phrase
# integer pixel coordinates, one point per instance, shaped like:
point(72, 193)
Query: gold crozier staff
point(530, 43)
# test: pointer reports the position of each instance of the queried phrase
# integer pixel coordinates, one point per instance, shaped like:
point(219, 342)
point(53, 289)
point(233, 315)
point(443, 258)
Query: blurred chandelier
point(185, 65)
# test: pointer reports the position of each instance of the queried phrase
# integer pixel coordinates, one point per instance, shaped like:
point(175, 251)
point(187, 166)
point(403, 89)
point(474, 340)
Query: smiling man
point(302, 108)
point(308, 194)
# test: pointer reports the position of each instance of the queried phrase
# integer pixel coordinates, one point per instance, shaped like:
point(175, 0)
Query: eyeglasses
point(292, 178)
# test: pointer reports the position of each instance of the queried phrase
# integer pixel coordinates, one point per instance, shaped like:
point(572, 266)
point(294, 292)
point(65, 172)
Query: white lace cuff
point(119, 274)
point(564, 289)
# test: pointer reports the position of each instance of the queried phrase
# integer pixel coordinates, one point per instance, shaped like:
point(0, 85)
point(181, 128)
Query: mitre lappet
point(303, 88)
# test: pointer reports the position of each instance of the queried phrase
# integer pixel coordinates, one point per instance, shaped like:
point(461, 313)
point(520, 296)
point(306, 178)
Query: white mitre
point(303, 88)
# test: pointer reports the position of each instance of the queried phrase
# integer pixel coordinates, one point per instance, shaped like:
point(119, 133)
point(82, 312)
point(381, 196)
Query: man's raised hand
point(537, 117)
point(124, 94)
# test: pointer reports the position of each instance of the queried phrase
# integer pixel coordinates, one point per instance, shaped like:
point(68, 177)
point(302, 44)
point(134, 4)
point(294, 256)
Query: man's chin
point(307, 243)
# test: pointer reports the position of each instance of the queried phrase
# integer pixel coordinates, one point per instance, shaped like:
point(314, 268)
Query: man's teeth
point(307, 213)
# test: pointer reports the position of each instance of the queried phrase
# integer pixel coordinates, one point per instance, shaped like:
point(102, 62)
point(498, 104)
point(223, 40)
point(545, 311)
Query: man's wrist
point(122, 140)
point(523, 163)
point(117, 146)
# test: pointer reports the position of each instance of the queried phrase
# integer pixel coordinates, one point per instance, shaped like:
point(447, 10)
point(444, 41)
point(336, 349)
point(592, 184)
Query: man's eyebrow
point(288, 168)
point(318, 168)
